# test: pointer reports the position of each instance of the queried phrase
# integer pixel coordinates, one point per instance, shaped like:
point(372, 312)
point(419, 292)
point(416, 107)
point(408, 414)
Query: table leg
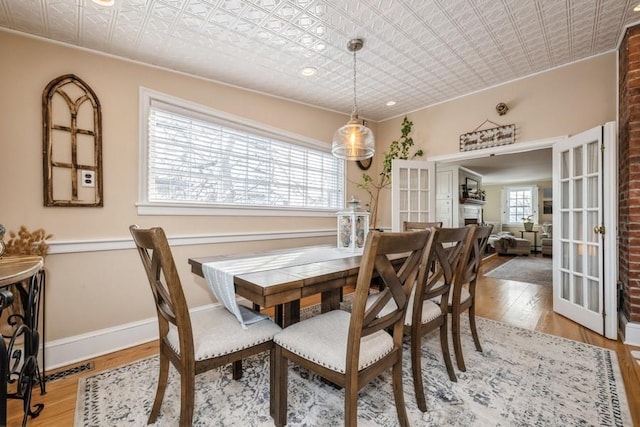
point(290, 313)
point(330, 300)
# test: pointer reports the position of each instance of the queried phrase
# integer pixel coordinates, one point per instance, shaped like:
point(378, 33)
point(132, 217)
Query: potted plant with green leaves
point(399, 149)
point(528, 223)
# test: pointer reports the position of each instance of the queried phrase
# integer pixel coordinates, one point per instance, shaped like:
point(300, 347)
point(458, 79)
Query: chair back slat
point(443, 256)
point(472, 258)
point(159, 265)
point(381, 249)
point(480, 239)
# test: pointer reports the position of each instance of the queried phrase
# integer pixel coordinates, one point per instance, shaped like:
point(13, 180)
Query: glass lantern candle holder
point(353, 226)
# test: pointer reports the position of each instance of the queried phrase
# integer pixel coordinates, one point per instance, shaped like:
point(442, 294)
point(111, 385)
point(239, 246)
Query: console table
point(535, 239)
point(22, 277)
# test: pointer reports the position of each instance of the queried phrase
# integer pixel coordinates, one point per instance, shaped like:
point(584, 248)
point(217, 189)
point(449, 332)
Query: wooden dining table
point(284, 287)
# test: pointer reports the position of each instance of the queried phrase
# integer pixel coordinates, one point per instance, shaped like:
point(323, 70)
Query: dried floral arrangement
point(26, 242)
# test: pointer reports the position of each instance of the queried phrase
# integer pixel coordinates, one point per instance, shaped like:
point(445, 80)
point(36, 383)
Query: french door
point(584, 224)
point(413, 192)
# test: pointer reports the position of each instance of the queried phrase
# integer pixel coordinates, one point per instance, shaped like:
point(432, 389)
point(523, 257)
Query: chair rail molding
point(121, 243)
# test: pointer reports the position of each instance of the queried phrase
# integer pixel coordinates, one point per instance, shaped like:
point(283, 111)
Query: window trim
point(147, 97)
point(505, 203)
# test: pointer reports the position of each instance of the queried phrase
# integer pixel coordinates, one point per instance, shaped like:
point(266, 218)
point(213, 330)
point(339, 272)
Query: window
point(520, 202)
point(195, 158)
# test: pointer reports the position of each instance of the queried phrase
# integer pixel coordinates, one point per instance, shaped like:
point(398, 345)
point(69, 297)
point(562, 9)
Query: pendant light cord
point(355, 104)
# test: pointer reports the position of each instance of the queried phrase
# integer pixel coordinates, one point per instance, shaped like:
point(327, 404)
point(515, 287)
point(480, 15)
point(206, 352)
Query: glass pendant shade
point(353, 141)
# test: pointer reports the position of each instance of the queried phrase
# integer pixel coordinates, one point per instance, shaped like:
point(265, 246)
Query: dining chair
point(423, 313)
point(192, 345)
point(351, 349)
point(463, 295)
point(428, 296)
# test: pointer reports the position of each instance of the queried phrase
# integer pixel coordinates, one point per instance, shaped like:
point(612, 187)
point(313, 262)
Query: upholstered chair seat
point(217, 332)
point(323, 340)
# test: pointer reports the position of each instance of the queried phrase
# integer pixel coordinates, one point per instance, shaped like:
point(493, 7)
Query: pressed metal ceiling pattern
point(417, 52)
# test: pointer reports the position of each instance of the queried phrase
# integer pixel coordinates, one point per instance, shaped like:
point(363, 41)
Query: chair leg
point(472, 325)
point(457, 344)
point(398, 394)
point(444, 343)
point(236, 369)
point(162, 386)
point(351, 405)
point(282, 374)
point(187, 386)
point(273, 375)
point(416, 369)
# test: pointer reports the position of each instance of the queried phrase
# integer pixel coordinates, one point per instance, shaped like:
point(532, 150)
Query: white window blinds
point(201, 159)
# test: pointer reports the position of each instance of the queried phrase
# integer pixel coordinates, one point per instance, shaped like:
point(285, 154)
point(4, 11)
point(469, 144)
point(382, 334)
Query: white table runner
point(219, 274)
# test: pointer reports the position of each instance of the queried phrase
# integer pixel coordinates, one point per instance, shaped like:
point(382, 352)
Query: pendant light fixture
point(353, 141)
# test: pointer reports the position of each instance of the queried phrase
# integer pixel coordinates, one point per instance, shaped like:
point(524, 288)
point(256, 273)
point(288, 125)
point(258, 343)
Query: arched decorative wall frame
point(72, 143)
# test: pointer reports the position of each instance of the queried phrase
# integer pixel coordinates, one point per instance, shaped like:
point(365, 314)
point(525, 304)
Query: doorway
point(526, 154)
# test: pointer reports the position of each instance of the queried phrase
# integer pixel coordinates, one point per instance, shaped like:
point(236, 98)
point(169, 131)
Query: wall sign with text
point(493, 137)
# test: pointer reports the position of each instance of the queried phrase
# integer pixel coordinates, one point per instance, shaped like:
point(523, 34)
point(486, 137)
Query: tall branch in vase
point(399, 149)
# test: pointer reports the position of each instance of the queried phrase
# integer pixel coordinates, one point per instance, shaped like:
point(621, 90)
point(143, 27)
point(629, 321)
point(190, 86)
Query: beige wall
point(95, 290)
point(90, 291)
point(564, 101)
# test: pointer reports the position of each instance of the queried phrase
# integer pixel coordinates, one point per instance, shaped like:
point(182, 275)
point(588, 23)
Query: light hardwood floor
point(520, 304)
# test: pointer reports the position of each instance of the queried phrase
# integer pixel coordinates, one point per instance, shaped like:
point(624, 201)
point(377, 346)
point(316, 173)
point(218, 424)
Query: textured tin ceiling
point(417, 52)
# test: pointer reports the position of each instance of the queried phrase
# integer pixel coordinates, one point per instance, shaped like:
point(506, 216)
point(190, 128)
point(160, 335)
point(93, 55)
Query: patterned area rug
point(523, 377)
point(528, 269)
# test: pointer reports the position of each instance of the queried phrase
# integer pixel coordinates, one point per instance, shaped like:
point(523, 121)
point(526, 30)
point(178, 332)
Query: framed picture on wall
point(547, 207)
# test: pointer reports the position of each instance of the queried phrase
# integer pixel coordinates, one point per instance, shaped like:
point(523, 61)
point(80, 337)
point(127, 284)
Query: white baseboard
point(79, 348)
point(631, 331)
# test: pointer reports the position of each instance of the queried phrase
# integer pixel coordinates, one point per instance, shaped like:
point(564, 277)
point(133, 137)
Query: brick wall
point(629, 173)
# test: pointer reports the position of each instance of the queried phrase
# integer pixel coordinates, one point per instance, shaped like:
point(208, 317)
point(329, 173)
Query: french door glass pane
point(578, 296)
point(592, 158)
point(577, 194)
point(577, 226)
point(592, 255)
point(592, 192)
point(592, 222)
point(414, 198)
point(593, 296)
point(413, 179)
point(424, 179)
point(404, 202)
point(403, 178)
point(565, 255)
point(565, 225)
point(577, 257)
point(564, 165)
point(577, 161)
point(564, 277)
point(565, 194)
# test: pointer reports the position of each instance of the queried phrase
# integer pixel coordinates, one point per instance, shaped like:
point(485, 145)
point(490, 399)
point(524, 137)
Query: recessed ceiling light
point(637, 8)
point(308, 71)
point(104, 2)
point(391, 103)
